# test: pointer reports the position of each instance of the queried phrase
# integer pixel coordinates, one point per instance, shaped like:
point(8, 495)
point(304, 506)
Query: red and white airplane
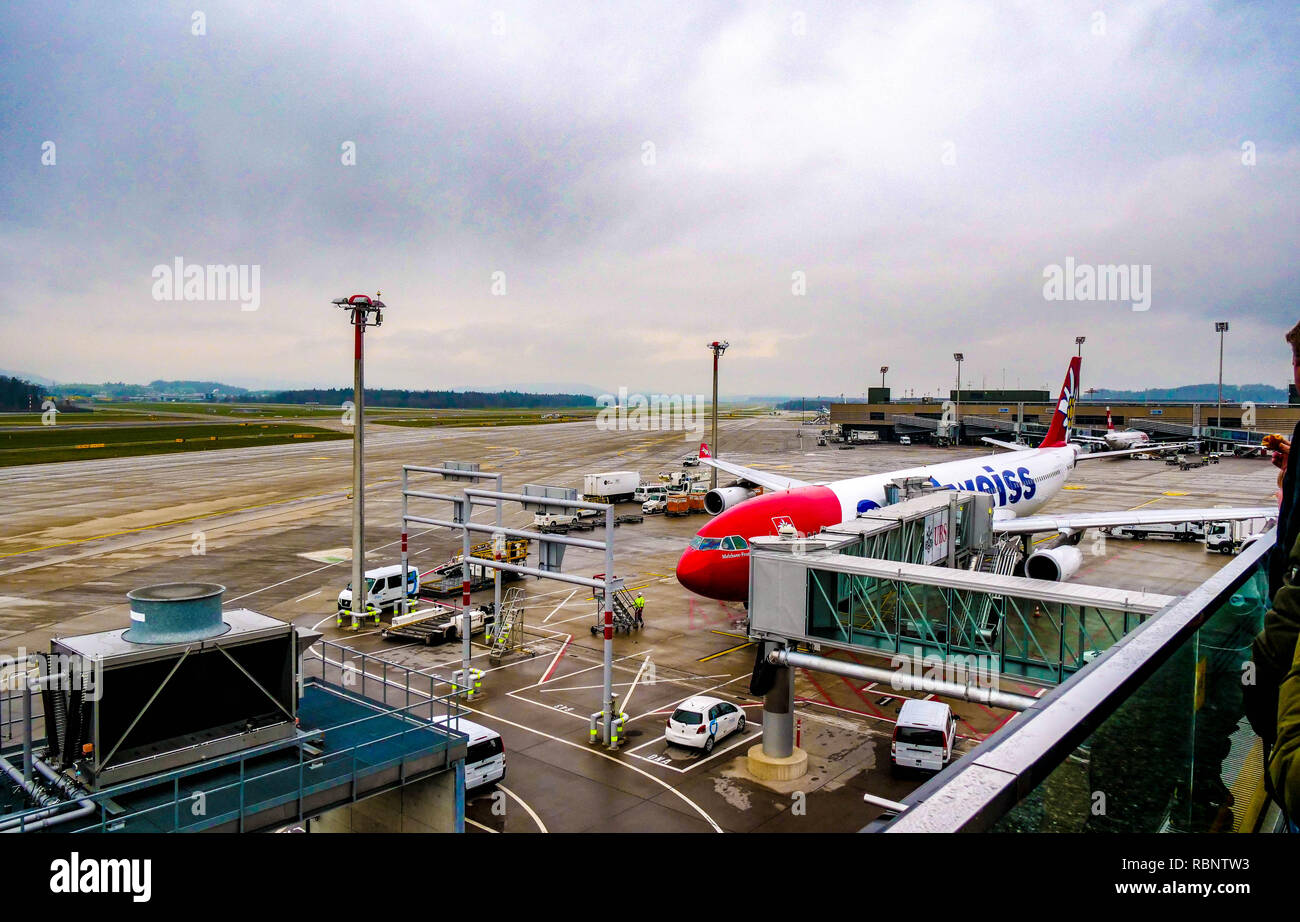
point(1022, 481)
point(1120, 439)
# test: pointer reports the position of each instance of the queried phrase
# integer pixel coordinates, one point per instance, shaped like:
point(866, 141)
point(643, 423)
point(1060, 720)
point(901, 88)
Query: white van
point(485, 757)
point(924, 736)
point(904, 440)
point(383, 588)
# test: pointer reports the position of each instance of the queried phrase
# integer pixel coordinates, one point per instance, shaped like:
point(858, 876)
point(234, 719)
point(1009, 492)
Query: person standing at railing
point(1272, 692)
point(1284, 764)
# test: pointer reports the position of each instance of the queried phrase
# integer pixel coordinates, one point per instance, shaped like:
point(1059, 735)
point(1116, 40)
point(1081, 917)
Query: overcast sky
point(649, 177)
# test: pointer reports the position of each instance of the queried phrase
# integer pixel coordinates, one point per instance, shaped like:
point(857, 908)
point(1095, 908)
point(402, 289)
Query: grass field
point(64, 443)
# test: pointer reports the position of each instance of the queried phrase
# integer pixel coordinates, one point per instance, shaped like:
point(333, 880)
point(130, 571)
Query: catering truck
point(1231, 537)
point(612, 487)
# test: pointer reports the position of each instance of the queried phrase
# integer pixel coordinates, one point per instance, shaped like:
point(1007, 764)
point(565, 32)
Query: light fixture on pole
point(1079, 341)
point(361, 308)
point(1220, 327)
point(717, 348)
point(883, 370)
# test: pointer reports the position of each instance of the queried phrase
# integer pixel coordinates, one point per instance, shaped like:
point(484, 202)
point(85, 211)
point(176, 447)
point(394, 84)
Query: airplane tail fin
point(1063, 416)
point(1110, 426)
point(704, 451)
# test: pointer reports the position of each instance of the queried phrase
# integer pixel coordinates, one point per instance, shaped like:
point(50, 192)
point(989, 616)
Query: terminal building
point(1027, 413)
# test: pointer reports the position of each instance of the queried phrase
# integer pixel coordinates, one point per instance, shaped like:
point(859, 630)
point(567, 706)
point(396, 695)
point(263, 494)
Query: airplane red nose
point(692, 571)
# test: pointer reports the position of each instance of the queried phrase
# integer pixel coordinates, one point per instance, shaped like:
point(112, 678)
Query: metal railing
point(1135, 741)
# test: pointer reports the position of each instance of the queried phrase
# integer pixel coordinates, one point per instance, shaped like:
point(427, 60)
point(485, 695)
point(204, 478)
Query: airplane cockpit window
point(699, 543)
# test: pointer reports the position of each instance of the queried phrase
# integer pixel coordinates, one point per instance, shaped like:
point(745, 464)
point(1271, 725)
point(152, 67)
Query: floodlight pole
point(718, 348)
point(360, 307)
point(1220, 327)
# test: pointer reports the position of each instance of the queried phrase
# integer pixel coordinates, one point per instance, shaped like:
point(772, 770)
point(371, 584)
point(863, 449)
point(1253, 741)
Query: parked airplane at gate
point(1022, 481)
point(1120, 439)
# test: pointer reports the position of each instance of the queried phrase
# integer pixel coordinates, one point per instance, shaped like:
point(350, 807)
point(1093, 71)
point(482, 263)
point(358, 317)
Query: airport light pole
point(956, 408)
point(361, 307)
point(717, 348)
point(1220, 327)
point(883, 370)
point(1079, 341)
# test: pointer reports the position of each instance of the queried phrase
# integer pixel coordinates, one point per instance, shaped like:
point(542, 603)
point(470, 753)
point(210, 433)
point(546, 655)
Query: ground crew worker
point(639, 604)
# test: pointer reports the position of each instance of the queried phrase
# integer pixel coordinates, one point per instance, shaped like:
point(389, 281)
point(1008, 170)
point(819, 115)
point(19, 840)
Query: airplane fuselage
point(716, 564)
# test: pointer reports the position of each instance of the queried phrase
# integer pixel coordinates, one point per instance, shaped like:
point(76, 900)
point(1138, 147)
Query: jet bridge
point(927, 577)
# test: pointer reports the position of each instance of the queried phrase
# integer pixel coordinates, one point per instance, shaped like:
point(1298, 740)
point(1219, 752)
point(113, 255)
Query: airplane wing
point(1150, 449)
point(1078, 521)
point(747, 475)
point(1010, 446)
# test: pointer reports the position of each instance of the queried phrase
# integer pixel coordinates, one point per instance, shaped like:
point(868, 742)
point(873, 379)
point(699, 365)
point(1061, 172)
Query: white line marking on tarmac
point(309, 595)
point(519, 800)
point(698, 762)
point(630, 691)
point(555, 662)
point(581, 748)
point(603, 755)
point(561, 605)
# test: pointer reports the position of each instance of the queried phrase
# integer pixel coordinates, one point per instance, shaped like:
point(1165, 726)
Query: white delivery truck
point(611, 487)
point(383, 588)
point(1182, 531)
point(1231, 537)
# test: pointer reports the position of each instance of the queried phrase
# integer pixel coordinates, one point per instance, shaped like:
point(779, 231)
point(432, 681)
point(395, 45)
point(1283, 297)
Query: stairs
point(508, 629)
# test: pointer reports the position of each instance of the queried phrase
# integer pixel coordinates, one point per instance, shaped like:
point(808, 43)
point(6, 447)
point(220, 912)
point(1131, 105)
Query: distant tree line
point(808, 403)
point(1196, 393)
point(431, 400)
point(17, 394)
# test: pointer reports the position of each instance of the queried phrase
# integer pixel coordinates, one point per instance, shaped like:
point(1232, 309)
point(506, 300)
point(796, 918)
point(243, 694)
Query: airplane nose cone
point(691, 571)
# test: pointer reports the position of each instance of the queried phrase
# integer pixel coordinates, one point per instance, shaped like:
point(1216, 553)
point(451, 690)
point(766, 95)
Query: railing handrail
point(974, 792)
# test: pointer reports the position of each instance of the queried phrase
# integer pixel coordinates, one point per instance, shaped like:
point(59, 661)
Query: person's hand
point(1281, 450)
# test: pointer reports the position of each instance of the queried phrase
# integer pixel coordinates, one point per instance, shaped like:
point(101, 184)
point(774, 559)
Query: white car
point(654, 506)
point(700, 722)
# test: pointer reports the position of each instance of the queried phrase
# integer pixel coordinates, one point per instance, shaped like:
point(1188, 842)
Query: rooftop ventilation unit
point(184, 683)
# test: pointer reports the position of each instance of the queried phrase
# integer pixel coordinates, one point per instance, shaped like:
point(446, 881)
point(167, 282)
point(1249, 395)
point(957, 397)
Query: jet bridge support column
point(777, 758)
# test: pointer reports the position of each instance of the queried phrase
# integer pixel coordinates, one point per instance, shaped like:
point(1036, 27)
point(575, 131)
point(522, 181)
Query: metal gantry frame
point(462, 513)
point(462, 521)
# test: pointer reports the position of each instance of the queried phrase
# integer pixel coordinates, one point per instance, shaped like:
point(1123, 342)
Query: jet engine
point(724, 498)
point(1057, 564)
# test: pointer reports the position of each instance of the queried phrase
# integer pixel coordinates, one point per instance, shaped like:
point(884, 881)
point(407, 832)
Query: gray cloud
point(774, 152)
